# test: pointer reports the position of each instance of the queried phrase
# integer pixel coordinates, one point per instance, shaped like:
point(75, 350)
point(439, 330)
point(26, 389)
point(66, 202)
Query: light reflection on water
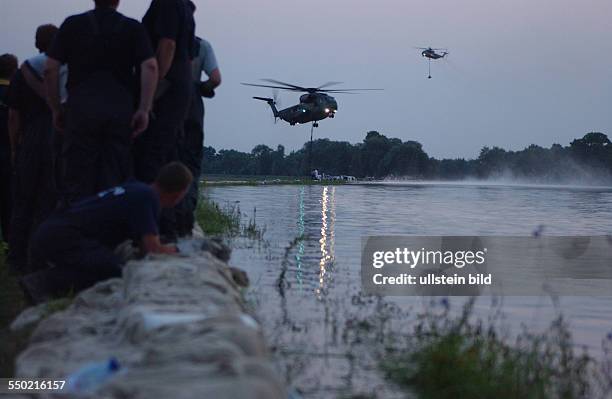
point(327, 236)
point(306, 290)
point(300, 234)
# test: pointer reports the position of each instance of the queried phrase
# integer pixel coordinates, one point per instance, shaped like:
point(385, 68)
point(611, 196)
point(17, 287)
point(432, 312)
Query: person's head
point(107, 3)
point(44, 37)
point(8, 66)
point(172, 183)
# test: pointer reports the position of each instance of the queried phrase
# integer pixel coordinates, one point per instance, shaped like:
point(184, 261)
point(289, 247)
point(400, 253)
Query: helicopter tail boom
point(271, 103)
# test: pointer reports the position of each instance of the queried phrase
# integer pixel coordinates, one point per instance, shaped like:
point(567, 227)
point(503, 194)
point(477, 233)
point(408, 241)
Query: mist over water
point(602, 184)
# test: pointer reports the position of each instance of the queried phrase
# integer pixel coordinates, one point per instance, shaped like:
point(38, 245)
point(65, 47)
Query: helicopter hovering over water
point(431, 54)
point(315, 104)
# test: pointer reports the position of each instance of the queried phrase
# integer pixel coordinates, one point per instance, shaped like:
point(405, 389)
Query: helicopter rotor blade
point(349, 90)
point(307, 89)
point(328, 84)
point(300, 88)
point(289, 85)
point(431, 48)
point(344, 92)
point(272, 87)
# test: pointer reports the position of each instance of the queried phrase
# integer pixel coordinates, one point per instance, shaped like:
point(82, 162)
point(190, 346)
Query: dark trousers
point(158, 145)
point(34, 193)
point(97, 142)
point(65, 261)
point(6, 171)
point(191, 152)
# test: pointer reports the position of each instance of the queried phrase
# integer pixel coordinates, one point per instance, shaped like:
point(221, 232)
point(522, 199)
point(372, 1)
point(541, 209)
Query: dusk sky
point(519, 72)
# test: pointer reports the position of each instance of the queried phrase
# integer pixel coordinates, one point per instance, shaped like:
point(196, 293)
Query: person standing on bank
point(31, 136)
point(103, 50)
point(171, 27)
point(191, 141)
point(8, 67)
point(33, 73)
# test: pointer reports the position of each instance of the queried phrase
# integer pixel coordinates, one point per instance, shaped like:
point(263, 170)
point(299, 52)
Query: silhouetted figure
point(171, 27)
point(191, 141)
point(103, 50)
point(31, 135)
point(8, 67)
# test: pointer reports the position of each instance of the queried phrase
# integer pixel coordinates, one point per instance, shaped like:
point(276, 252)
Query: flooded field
point(305, 273)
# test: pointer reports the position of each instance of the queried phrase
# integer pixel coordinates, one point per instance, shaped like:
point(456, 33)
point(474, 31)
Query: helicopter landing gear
point(315, 124)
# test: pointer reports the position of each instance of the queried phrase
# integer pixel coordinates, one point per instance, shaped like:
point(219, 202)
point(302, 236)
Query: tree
point(492, 161)
point(209, 160)
point(278, 161)
point(406, 159)
point(262, 155)
point(379, 156)
point(375, 147)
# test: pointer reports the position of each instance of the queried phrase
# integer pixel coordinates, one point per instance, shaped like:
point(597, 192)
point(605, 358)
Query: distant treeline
point(588, 159)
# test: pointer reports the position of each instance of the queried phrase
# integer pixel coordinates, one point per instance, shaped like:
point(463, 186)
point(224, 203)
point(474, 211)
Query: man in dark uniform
point(74, 248)
point(33, 72)
point(8, 67)
point(171, 27)
point(103, 50)
point(31, 136)
point(191, 140)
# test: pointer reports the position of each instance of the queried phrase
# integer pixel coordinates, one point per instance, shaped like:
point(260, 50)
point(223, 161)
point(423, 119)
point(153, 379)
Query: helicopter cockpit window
point(308, 99)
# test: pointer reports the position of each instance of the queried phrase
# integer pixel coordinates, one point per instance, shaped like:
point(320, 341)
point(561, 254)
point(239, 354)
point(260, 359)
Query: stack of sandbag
point(177, 326)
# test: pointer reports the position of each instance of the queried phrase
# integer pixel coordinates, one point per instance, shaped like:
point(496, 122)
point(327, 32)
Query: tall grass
point(215, 220)
point(456, 357)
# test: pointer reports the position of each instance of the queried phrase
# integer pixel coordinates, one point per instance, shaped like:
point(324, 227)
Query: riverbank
point(178, 327)
point(212, 219)
point(249, 180)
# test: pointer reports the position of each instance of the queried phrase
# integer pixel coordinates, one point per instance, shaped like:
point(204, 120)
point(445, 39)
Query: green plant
point(448, 357)
point(215, 220)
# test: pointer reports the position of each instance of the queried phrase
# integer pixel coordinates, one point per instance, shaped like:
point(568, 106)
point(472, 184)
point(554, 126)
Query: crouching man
point(74, 248)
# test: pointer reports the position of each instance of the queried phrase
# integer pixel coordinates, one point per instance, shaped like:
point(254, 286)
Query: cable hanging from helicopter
point(432, 54)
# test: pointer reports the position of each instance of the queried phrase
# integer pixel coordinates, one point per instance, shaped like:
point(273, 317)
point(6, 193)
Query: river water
point(305, 274)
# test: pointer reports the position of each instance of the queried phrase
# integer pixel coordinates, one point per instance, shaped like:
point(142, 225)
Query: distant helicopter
point(430, 54)
point(315, 105)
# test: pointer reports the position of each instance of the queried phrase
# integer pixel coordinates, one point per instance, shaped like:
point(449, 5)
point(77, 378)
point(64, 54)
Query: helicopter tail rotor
point(266, 99)
point(272, 105)
point(276, 97)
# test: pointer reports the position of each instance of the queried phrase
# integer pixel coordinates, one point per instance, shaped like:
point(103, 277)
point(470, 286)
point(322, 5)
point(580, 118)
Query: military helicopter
point(431, 54)
point(315, 105)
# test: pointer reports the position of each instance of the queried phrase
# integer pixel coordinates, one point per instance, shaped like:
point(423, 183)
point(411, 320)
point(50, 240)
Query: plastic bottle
point(92, 376)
